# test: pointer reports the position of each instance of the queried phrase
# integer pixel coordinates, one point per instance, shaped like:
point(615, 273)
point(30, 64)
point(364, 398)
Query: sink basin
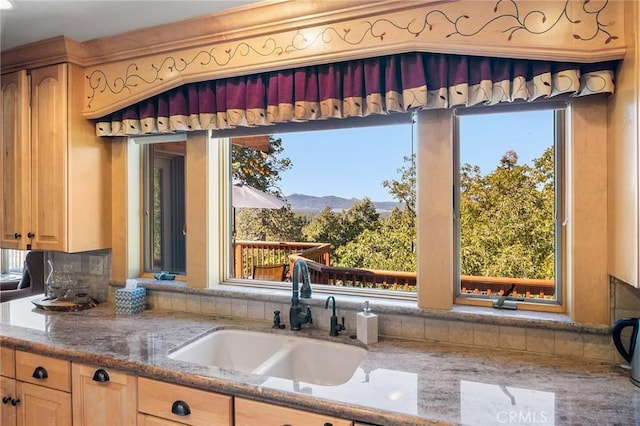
point(289, 357)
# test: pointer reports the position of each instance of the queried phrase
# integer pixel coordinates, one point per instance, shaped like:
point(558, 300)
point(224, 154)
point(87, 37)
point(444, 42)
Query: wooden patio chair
point(269, 272)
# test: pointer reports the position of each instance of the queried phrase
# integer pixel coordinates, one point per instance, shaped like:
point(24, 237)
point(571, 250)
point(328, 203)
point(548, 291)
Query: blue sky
point(354, 162)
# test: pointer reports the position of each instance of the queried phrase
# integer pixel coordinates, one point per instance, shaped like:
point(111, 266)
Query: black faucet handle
point(276, 320)
point(309, 317)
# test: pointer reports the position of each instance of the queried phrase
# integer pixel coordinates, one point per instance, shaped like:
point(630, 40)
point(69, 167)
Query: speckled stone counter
point(400, 382)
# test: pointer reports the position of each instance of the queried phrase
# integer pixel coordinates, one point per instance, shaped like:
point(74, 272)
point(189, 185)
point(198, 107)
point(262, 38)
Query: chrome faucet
point(298, 315)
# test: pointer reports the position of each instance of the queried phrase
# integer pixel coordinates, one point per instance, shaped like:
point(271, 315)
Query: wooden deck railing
point(248, 254)
point(317, 255)
point(357, 277)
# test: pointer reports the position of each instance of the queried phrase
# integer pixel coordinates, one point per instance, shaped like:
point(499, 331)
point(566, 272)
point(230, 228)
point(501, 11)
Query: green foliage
point(269, 225)
point(389, 246)
point(258, 169)
point(262, 171)
point(506, 219)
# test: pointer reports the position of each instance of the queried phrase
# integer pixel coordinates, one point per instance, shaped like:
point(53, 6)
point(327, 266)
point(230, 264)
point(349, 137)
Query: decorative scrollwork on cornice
point(480, 21)
point(515, 21)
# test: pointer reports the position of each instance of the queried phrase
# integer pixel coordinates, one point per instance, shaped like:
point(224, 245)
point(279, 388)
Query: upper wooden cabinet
point(56, 185)
point(624, 159)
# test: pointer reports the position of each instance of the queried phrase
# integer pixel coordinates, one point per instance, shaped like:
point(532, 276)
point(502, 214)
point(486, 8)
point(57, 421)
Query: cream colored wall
point(624, 157)
point(586, 223)
point(435, 226)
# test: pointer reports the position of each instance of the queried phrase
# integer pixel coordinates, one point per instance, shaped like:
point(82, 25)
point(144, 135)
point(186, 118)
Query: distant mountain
point(301, 203)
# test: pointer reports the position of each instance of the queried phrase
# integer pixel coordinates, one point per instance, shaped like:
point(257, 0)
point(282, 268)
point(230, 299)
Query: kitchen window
point(584, 229)
point(509, 209)
point(341, 198)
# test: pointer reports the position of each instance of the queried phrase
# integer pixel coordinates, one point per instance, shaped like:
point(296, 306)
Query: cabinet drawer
point(55, 373)
point(204, 408)
point(253, 413)
point(7, 363)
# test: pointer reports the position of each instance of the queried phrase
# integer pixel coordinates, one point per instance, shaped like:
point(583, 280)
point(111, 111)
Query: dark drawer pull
point(6, 399)
point(31, 235)
point(180, 408)
point(15, 402)
point(101, 376)
point(328, 424)
point(40, 373)
point(17, 236)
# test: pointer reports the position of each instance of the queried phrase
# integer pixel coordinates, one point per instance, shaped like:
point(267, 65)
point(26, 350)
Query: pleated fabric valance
point(383, 85)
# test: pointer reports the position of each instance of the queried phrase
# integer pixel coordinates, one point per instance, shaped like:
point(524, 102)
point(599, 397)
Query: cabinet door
point(49, 117)
point(9, 401)
point(42, 406)
point(102, 397)
point(7, 362)
point(253, 413)
point(14, 161)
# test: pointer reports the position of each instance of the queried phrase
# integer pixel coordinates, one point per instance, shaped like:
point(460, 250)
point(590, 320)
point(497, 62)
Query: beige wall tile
point(390, 325)
point(540, 341)
point(413, 327)
point(436, 330)
point(164, 301)
point(223, 306)
point(513, 338)
point(208, 305)
point(599, 346)
point(255, 310)
point(192, 303)
point(568, 343)
point(461, 332)
point(486, 335)
point(178, 302)
point(239, 308)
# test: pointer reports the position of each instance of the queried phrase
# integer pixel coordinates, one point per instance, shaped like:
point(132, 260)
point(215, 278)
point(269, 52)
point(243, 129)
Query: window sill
point(382, 307)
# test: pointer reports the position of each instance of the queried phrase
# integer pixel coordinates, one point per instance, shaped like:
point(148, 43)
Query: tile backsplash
point(625, 300)
point(91, 268)
point(94, 268)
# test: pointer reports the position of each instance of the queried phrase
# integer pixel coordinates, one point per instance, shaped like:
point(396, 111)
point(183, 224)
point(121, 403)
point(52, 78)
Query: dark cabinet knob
point(180, 408)
point(17, 236)
point(40, 373)
point(101, 376)
point(6, 399)
point(15, 402)
point(31, 235)
point(328, 424)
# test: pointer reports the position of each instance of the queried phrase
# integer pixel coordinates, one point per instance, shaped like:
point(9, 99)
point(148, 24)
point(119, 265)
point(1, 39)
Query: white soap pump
point(367, 325)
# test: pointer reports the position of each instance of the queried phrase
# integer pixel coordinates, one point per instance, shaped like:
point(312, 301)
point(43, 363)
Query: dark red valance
point(395, 83)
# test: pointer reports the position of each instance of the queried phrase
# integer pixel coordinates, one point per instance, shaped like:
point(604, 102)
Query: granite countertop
point(400, 382)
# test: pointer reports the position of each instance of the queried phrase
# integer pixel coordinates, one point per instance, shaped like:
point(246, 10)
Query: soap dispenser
point(367, 325)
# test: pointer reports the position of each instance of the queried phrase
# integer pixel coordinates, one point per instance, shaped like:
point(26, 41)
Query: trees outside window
point(507, 216)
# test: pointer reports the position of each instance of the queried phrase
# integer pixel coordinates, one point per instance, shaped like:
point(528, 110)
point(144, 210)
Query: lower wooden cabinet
point(40, 405)
point(253, 413)
point(8, 409)
point(103, 397)
point(182, 404)
point(43, 386)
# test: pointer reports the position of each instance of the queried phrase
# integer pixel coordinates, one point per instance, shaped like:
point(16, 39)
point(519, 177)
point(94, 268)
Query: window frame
point(559, 110)
point(586, 292)
point(288, 128)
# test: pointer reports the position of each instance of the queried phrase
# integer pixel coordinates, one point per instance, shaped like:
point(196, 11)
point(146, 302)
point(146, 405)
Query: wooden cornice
point(46, 52)
point(278, 34)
